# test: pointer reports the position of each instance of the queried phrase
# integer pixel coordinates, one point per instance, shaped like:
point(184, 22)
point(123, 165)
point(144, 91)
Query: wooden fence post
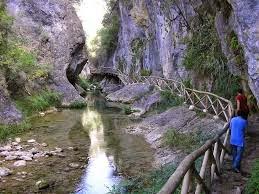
point(186, 182)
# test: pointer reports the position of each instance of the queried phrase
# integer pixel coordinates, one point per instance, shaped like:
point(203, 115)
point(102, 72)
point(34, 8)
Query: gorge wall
point(153, 36)
point(52, 31)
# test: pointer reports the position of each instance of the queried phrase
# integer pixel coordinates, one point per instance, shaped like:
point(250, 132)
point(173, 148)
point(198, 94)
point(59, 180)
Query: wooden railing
point(188, 175)
point(205, 101)
point(191, 178)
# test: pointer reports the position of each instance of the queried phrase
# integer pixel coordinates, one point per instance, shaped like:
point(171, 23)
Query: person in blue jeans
point(238, 125)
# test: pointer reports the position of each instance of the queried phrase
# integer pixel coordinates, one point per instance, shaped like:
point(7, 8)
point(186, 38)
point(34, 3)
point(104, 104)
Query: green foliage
point(145, 72)
point(204, 52)
point(106, 40)
point(185, 141)
point(7, 131)
point(13, 57)
point(187, 83)
point(127, 110)
point(149, 183)
point(86, 84)
point(252, 186)
point(137, 46)
point(78, 105)
point(237, 49)
point(205, 57)
point(168, 100)
point(38, 102)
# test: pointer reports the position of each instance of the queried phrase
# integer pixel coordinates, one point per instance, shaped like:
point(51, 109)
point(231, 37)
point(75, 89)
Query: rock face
point(8, 112)
point(144, 104)
point(53, 30)
point(130, 93)
point(148, 38)
point(153, 33)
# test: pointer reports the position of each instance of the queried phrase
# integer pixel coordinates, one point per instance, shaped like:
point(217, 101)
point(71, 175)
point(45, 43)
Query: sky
point(91, 13)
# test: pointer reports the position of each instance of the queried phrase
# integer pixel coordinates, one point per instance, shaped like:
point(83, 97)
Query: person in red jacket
point(241, 101)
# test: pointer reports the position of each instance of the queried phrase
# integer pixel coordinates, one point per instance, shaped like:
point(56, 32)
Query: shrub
point(185, 141)
point(252, 186)
point(11, 130)
point(38, 102)
point(86, 84)
point(145, 72)
point(150, 183)
point(78, 105)
point(127, 110)
point(168, 99)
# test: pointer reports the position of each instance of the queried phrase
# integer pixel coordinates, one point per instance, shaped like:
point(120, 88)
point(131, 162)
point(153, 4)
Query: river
point(104, 152)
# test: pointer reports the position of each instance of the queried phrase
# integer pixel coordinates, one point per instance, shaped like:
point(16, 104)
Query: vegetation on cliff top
point(106, 40)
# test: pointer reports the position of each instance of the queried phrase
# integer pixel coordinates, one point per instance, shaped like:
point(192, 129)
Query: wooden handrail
point(175, 179)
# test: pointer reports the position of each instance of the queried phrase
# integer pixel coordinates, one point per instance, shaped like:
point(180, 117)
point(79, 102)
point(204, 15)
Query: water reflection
point(100, 174)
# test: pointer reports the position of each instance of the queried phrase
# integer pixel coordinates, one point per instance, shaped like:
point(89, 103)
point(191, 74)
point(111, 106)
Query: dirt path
point(230, 182)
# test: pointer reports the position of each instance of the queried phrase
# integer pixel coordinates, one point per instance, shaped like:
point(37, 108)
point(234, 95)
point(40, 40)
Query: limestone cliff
point(153, 36)
point(52, 30)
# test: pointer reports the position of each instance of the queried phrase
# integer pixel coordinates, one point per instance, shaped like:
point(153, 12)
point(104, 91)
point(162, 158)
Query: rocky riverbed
point(76, 148)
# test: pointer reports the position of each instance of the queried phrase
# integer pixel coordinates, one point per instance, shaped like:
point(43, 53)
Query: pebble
point(18, 139)
point(42, 184)
point(5, 171)
point(19, 163)
point(42, 114)
point(4, 153)
point(44, 144)
point(58, 150)
point(31, 141)
point(26, 158)
point(10, 157)
point(18, 147)
point(6, 148)
point(70, 148)
point(14, 143)
point(74, 165)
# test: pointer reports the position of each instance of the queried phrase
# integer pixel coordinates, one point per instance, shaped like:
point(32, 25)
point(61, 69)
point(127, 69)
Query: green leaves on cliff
point(204, 56)
point(106, 40)
point(204, 51)
point(13, 56)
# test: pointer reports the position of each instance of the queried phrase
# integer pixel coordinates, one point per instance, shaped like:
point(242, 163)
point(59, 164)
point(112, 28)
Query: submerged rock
point(19, 163)
point(5, 171)
point(42, 184)
point(130, 93)
point(10, 157)
point(31, 141)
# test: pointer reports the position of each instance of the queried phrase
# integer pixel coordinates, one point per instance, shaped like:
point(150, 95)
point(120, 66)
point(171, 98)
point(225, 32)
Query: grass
point(149, 183)
point(168, 100)
point(38, 102)
point(77, 105)
point(185, 141)
point(252, 186)
point(7, 131)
